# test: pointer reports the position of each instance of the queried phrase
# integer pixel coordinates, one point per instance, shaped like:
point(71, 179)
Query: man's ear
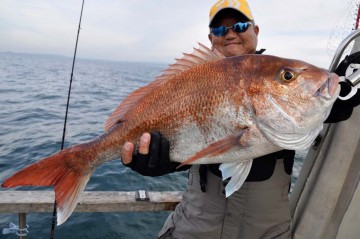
point(256, 30)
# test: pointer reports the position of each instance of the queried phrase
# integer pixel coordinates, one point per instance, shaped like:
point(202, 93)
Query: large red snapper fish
point(212, 110)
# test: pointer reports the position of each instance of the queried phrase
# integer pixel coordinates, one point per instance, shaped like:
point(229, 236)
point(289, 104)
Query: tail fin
point(62, 170)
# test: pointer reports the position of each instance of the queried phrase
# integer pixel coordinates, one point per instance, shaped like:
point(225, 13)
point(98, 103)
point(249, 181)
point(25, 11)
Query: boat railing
point(23, 202)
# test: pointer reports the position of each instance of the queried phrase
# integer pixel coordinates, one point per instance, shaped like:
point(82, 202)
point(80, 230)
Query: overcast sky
point(160, 30)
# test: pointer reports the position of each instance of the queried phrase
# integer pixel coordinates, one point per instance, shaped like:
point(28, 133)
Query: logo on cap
point(240, 5)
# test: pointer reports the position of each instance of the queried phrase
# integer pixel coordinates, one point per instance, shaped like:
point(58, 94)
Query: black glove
point(342, 109)
point(157, 162)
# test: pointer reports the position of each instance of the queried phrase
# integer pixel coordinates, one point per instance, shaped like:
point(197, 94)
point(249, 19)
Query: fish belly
point(194, 136)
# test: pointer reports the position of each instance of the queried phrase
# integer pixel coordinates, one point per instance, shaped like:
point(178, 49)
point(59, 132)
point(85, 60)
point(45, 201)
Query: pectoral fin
point(216, 148)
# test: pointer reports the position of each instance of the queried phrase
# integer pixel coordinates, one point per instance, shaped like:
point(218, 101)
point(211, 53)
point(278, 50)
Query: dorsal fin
point(199, 56)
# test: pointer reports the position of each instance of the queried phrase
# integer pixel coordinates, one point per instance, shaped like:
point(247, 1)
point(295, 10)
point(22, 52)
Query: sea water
point(33, 95)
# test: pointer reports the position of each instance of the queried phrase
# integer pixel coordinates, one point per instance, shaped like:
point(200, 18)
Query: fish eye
point(287, 75)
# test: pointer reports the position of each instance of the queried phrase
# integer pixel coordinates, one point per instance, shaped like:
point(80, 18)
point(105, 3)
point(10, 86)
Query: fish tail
point(68, 177)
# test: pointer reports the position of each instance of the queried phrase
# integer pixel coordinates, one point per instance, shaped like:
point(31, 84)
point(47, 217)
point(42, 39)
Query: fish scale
point(211, 109)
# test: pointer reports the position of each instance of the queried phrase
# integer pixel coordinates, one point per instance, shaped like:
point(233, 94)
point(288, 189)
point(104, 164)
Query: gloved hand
point(157, 161)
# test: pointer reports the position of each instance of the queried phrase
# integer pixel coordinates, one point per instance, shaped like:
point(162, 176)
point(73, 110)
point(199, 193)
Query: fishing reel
point(352, 76)
point(348, 68)
point(350, 81)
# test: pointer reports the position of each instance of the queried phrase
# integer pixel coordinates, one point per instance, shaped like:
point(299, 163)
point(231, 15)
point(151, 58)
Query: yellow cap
point(239, 5)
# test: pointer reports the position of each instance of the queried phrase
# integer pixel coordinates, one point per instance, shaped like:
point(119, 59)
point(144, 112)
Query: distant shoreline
point(79, 58)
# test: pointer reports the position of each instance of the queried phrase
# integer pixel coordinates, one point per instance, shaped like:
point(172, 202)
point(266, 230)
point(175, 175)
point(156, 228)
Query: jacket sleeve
point(342, 109)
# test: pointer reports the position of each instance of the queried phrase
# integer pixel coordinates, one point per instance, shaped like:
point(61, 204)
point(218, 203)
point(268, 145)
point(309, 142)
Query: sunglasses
point(237, 27)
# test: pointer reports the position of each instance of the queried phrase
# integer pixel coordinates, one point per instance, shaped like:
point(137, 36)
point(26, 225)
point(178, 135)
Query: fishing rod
point(52, 233)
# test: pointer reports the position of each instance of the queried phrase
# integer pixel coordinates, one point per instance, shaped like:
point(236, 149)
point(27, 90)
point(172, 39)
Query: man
point(260, 208)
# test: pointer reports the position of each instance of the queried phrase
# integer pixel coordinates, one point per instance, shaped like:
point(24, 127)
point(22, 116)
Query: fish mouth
point(330, 88)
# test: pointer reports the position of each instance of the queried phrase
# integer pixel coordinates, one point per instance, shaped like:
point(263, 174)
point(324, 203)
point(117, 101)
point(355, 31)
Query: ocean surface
point(33, 94)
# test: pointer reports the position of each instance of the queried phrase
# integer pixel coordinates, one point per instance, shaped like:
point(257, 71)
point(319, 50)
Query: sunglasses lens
point(222, 30)
point(219, 31)
point(240, 26)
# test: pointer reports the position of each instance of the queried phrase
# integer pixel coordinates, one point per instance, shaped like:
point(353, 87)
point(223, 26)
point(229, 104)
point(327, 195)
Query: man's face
point(234, 44)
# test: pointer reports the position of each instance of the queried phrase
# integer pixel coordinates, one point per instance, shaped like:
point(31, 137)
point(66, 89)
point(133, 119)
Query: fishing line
point(52, 233)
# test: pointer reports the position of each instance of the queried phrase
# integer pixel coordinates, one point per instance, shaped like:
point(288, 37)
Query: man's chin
point(234, 50)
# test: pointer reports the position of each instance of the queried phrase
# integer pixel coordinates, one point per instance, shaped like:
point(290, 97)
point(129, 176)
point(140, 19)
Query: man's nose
point(230, 33)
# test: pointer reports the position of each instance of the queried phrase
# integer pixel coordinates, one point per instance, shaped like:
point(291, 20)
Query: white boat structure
point(325, 202)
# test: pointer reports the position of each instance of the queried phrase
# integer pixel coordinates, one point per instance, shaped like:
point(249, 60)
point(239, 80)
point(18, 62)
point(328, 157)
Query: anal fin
point(238, 173)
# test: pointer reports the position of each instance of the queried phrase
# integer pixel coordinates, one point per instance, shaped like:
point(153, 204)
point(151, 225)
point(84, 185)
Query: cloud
point(160, 30)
